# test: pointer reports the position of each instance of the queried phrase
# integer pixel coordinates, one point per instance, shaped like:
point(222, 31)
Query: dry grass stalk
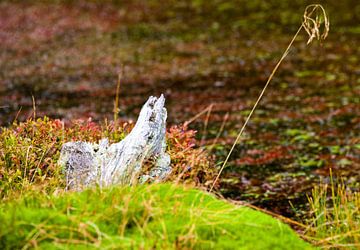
point(315, 17)
point(116, 104)
point(206, 110)
point(313, 26)
point(226, 117)
point(206, 122)
point(34, 107)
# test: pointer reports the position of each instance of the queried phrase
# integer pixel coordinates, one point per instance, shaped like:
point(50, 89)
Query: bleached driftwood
point(87, 164)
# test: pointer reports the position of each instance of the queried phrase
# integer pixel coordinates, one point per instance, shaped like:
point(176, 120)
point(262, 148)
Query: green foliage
point(335, 219)
point(143, 217)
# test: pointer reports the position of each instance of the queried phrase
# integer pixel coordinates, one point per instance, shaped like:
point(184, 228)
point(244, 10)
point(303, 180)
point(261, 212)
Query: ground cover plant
point(143, 217)
point(29, 153)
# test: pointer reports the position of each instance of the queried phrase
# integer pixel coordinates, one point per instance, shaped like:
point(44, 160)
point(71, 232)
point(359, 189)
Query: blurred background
point(66, 55)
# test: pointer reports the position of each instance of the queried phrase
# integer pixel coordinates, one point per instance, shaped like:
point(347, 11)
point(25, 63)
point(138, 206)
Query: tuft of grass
point(116, 103)
point(162, 216)
point(335, 216)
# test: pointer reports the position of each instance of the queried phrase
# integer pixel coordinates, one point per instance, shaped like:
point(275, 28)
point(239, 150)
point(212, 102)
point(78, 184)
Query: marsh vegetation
point(298, 158)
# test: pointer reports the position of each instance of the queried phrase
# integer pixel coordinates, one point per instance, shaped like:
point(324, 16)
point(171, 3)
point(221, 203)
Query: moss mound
point(145, 217)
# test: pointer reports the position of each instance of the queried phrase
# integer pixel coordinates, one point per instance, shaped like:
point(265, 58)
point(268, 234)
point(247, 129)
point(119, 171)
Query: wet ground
point(67, 57)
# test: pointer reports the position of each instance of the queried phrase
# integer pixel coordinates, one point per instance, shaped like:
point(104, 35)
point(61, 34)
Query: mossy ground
point(161, 216)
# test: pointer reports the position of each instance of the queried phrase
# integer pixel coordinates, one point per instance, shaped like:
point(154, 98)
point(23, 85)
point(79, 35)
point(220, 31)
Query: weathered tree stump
point(121, 163)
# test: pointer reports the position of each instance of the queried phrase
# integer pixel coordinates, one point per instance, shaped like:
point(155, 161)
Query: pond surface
point(66, 58)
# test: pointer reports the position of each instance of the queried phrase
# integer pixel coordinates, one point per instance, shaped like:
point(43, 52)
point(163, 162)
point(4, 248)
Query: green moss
point(151, 216)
